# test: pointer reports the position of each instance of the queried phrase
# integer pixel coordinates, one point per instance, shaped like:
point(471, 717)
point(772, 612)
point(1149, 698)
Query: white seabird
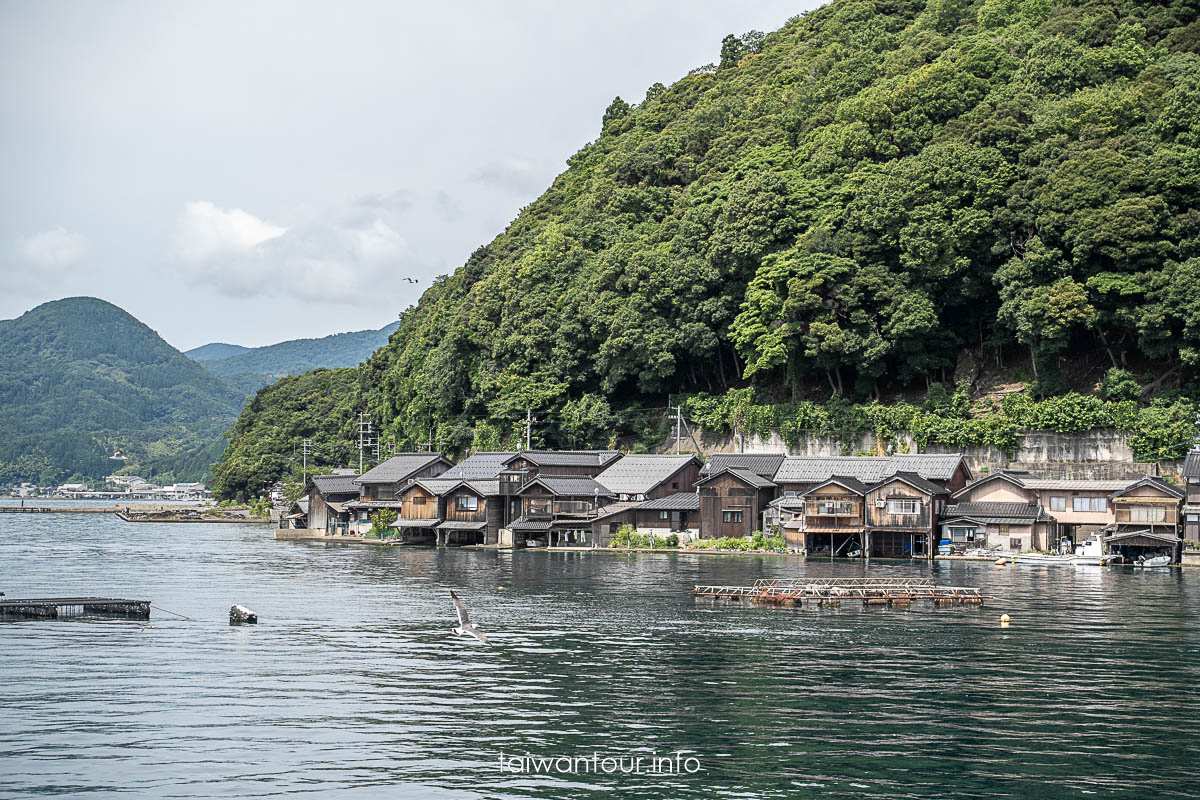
point(464, 622)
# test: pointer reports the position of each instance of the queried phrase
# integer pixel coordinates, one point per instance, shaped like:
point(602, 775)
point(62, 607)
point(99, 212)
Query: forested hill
point(80, 378)
point(215, 351)
point(852, 205)
point(249, 369)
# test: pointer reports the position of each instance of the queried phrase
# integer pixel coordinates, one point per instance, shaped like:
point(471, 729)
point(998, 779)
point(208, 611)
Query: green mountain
point(252, 368)
point(80, 378)
point(215, 351)
point(864, 203)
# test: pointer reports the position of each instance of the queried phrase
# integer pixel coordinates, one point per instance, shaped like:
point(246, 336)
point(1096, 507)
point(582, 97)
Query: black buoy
point(240, 615)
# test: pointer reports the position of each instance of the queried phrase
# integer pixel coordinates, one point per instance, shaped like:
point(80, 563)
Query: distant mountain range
point(215, 351)
point(249, 369)
point(81, 378)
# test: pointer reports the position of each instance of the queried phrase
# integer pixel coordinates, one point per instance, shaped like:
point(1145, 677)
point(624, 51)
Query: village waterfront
point(353, 686)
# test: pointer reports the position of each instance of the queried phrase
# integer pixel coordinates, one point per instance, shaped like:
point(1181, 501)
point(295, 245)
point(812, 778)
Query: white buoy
point(1004, 620)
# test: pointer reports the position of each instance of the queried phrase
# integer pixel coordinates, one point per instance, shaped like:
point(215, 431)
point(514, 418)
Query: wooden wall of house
point(604, 528)
point(958, 480)
point(575, 470)
point(651, 518)
point(729, 493)
point(682, 481)
point(877, 517)
point(452, 514)
point(495, 519)
point(419, 503)
point(318, 512)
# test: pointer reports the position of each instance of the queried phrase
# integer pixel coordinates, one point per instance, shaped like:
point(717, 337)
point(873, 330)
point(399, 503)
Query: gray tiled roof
point(745, 475)
point(479, 465)
point(638, 474)
point(765, 464)
point(455, 525)
point(914, 480)
point(1191, 464)
point(1156, 482)
point(400, 467)
point(527, 524)
point(849, 482)
point(1076, 485)
point(682, 501)
point(869, 469)
point(335, 484)
point(1021, 513)
point(567, 458)
point(613, 509)
point(442, 485)
point(416, 523)
point(572, 485)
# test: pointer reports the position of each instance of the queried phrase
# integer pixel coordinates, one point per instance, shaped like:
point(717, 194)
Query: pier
point(63, 607)
point(834, 591)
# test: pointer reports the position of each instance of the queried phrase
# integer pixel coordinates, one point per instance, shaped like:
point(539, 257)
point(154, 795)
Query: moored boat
point(1089, 553)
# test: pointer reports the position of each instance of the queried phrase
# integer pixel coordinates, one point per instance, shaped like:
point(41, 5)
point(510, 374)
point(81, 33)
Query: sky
point(257, 172)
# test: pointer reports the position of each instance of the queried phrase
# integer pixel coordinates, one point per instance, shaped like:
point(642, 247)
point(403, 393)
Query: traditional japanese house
point(558, 510)
point(901, 517)
point(328, 498)
point(833, 522)
point(381, 486)
point(643, 477)
point(998, 511)
point(297, 515)
point(675, 513)
point(472, 513)
point(1147, 520)
point(732, 502)
point(611, 518)
point(421, 509)
point(1191, 501)
point(520, 468)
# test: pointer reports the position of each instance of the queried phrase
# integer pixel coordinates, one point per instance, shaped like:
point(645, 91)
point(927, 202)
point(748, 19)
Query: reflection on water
point(353, 685)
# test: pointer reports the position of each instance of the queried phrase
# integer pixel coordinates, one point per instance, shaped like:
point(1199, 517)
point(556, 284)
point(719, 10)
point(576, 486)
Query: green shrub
point(1120, 384)
point(381, 520)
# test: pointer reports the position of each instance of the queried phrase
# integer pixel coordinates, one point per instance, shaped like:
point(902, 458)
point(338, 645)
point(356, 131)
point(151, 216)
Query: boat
point(1157, 561)
point(1089, 553)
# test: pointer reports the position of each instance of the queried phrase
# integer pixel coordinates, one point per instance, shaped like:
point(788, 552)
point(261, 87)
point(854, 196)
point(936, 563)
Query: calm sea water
point(353, 686)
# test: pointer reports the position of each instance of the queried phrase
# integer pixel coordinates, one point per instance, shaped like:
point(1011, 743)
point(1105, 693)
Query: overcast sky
point(252, 172)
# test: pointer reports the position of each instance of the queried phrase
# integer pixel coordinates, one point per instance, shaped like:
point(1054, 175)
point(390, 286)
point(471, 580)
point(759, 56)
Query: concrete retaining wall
point(1099, 454)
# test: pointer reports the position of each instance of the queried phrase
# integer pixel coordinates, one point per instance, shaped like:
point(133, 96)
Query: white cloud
point(57, 247)
point(205, 232)
point(351, 257)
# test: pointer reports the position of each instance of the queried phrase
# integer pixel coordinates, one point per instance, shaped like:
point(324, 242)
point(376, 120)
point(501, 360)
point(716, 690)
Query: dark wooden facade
point(731, 505)
point(902, 517)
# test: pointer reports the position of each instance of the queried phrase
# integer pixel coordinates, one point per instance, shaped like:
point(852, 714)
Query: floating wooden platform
point(834, 591)
point(60, 607)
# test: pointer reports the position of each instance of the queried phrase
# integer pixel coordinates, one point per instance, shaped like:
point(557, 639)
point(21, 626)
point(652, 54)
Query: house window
point(1014, 544)
point(1089, 504)
point(1058, 503)
point(664, 515)
point(1148, 514)
point(1003, 530)
point(674, 484)
point(958, 534)
point(466, 502)
point(731, 516)
point(903, 506)
point(418, 501)
point(832, 507)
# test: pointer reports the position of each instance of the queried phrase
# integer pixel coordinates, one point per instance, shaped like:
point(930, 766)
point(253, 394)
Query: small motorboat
point(1156, 561)
point(1089, 553)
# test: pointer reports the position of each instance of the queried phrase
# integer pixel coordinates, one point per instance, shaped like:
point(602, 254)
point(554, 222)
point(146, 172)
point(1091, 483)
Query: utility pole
point(305, 449)
point(364, 438)
point(529, 420)
point(678, 417)
point(428, 444)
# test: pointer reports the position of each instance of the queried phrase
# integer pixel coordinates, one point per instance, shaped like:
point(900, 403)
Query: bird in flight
point(464, 622)
point(412, 280)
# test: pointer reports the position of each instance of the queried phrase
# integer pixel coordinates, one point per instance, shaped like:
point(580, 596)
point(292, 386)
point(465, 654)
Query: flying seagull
point(464, 622)
point(412, 280)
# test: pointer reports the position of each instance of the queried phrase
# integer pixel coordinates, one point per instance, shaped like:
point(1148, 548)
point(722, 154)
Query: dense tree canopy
point(840, 206)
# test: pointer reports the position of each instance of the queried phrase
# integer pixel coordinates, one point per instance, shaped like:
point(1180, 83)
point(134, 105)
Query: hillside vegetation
point(857, 206)
point(80, 378)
